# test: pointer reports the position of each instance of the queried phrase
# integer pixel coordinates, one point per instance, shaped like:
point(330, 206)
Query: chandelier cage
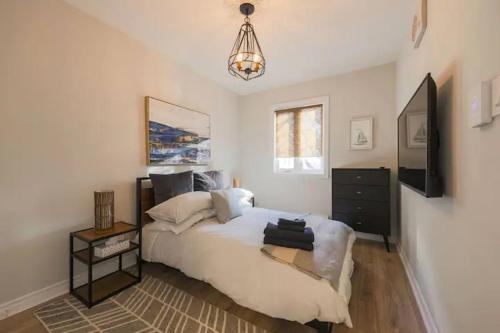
point(246, 60)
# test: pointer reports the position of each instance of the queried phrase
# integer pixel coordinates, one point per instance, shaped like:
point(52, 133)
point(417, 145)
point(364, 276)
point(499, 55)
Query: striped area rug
point(150, 306)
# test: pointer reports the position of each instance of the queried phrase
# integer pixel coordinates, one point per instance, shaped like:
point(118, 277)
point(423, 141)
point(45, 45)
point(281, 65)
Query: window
point(300, 144)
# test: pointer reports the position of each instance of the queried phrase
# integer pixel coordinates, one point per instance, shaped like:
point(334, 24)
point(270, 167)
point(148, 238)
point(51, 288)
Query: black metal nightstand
point(109, 285)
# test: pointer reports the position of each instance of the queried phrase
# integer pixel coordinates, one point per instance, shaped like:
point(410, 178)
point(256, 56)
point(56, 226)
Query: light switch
point(495, 96)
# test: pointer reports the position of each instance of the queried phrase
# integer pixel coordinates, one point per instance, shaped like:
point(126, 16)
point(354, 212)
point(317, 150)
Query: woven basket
point(104, 204)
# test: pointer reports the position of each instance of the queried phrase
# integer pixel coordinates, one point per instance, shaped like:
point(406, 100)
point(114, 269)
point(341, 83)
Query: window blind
point(299, 132)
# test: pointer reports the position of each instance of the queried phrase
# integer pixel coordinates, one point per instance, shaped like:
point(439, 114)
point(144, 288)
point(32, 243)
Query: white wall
point(452, 242)
point(361, 93)
point(72, 121)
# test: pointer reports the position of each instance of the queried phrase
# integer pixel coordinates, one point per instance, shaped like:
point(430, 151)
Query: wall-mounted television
point(418, 142)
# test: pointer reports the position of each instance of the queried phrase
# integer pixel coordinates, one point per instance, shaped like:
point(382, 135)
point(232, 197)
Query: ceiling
point(301, 40)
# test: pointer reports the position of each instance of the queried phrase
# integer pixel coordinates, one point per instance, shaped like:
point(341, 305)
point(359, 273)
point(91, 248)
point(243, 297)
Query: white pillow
point(244, 197)
point(178, 209)
point(179, 228)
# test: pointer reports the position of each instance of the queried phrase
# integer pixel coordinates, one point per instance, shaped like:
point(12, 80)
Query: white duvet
point(228, 257)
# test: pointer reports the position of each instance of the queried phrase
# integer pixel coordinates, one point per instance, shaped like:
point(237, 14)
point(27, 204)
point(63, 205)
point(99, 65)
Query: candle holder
point(104, 206)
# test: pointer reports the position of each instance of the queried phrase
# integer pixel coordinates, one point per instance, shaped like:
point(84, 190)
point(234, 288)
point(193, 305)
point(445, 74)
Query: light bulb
point(239, 61)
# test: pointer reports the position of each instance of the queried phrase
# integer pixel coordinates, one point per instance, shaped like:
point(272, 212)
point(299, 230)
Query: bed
point(228, 257)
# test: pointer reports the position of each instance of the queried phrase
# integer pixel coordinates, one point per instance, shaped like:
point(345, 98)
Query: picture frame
point(176, 135)
point(419, 25)
point(416, 130)
point(361, 133)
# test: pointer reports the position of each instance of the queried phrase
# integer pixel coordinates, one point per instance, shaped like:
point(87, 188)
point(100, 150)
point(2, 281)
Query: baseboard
point(57, 289)
point(428, 318)
point(33, 299)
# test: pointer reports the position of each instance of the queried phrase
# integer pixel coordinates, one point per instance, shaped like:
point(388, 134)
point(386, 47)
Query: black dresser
point(361, 198)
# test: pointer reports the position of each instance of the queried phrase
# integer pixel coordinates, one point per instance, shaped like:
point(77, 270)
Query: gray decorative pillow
point(170, 185)
point(208, 181)
point(226, 204)
point(203, 182)
point(218, 177)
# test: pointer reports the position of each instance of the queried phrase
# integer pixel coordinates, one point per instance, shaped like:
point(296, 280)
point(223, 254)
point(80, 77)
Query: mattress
point(228, 257)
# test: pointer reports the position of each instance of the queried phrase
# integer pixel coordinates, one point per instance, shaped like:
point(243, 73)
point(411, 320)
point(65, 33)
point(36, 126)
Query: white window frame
point(324, 101)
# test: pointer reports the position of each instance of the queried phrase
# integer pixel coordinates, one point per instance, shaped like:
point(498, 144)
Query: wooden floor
point(381, 300)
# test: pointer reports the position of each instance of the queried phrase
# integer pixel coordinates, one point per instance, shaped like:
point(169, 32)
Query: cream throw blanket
point(325, 261)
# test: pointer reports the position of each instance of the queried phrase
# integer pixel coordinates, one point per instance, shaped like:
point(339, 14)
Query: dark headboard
point(144, 200)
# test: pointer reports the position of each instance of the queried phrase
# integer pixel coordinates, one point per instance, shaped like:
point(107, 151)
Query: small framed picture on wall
point(419, 24)
point(361, 133)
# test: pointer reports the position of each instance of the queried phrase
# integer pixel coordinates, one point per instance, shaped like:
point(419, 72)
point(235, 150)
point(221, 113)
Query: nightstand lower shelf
point(105, 287)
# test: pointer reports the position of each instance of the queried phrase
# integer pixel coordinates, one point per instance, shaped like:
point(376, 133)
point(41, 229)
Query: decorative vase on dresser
point(361, 198)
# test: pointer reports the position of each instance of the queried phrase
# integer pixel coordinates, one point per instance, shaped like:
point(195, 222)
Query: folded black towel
point(296, 222)
point(294, 228)
point(288, 243)
point(272, 230)
point(293, 225)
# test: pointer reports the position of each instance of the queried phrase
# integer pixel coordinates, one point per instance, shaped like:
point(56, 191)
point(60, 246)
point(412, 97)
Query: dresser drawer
point(359, 176)
point(364, 222)
point(373, 208)
point(360, 192)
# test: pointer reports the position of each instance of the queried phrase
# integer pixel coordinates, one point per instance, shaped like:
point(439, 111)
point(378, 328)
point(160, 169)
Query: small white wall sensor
point(495, 97)
point(480, 105)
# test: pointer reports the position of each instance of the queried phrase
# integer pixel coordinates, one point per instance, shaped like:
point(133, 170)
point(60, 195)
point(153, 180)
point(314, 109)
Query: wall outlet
point(480, 105)
point(495, 97)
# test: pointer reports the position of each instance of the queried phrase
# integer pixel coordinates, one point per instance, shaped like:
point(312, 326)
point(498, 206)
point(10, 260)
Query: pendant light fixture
point(246, 60)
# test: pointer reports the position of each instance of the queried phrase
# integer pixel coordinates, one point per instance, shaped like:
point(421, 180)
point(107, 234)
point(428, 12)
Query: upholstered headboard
point(144, 200)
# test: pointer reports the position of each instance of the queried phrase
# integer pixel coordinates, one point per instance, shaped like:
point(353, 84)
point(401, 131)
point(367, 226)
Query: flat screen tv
point(418, 142)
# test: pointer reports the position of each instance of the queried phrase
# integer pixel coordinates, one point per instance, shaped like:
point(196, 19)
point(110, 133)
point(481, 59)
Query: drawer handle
point(358, 177)
point(359, 192)
point(359, 208)
point(359, 223)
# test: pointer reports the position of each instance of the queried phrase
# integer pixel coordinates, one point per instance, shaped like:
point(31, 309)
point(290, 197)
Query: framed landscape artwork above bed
point(176, 135)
